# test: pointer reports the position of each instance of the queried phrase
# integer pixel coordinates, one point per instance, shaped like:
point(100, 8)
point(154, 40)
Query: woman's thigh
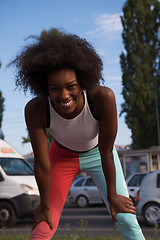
point(91, 163)
point(64, 168)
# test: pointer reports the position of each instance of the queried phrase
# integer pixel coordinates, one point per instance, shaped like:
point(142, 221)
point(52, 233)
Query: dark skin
point(66, 95)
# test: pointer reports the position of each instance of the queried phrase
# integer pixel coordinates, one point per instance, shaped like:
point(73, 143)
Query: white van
point(19, 194)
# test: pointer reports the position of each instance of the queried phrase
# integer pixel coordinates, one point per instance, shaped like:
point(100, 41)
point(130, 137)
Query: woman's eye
point(72, 86)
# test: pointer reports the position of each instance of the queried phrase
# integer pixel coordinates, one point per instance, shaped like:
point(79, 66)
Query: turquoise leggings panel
point(90, 163)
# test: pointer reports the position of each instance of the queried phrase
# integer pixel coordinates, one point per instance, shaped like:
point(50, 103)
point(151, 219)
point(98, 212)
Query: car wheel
point(7, 215)
point(82, 201)
point(151, 214)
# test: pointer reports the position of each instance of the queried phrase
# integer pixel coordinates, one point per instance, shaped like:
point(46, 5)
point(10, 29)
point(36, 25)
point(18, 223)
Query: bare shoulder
point(103, 98)
point(102, 93)
point(36, 104)
point(36, 110)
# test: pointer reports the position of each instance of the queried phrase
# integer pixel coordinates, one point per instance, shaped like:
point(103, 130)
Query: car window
point(158, 181)
point(136, 180)
point(15, 166)
point(79, 183)
point(89, 182)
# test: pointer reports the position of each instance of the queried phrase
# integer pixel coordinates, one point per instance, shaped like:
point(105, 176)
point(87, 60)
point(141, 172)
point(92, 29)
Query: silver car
point(133, 184)
point(148, 204)
point(84, 192)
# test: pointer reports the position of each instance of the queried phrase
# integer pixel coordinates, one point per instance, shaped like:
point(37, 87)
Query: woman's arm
point(105, 108)
point(35, 116)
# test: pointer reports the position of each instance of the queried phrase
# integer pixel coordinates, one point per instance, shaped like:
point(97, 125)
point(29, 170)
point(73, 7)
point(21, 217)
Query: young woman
point(64, 72)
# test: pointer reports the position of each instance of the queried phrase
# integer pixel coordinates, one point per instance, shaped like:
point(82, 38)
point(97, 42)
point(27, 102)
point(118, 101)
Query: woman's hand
point(41, 215)
point(120, 204)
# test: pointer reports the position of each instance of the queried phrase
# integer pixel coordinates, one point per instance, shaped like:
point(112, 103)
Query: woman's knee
point(129, 227)
point(126, 219)
point(42, 231)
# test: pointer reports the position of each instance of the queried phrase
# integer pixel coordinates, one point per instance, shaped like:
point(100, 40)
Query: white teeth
point(66, 104)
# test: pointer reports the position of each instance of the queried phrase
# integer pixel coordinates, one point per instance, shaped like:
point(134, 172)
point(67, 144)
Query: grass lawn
point(68, 237)
point(74, 234)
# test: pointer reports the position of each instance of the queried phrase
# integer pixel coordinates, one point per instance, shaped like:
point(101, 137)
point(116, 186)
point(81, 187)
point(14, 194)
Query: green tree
point(139, 64)
point(51, 32)
point(27, 139)
point(1, 113)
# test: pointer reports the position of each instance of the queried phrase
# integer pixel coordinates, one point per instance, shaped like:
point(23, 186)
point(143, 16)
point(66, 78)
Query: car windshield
point(79, 183)
point(15, 166)
point(136, 180)
point(89, 182)
point(158, 181)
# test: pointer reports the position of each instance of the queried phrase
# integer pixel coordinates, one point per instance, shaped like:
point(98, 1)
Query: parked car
point(19, 194)
point(148, 198)
point(133, 184)
point(84, 192)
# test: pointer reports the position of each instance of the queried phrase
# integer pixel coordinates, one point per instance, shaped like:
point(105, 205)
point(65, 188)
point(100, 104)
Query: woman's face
point(65, 92)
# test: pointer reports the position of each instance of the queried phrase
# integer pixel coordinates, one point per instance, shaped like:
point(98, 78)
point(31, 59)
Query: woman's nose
point(64, 94)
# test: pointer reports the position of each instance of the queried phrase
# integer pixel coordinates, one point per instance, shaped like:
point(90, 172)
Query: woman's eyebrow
point(54, 84)
point(74, 81)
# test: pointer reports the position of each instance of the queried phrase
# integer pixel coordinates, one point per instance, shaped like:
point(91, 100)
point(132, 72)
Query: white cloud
point(109, 23)
point(114, 78)
point(106, 24)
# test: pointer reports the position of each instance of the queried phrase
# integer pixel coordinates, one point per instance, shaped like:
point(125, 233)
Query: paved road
point(95, 220)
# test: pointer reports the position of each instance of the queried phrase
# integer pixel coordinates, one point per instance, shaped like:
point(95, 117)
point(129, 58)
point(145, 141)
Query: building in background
point(144, 160)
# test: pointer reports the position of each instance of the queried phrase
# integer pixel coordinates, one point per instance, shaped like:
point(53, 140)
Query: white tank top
point(78, 134)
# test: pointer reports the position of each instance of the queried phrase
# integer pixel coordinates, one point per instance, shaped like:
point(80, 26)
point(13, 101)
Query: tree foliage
point(1, 112)
point(27, 139)
point(51, 32)
point(140, 76)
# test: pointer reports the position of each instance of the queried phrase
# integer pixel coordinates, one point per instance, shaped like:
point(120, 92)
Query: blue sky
point(97, 21)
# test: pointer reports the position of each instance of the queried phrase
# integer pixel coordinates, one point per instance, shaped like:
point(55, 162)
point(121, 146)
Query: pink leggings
point(65, 165)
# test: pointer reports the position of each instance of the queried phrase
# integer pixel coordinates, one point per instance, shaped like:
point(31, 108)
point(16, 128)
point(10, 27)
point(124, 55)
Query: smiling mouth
point(66, 104)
